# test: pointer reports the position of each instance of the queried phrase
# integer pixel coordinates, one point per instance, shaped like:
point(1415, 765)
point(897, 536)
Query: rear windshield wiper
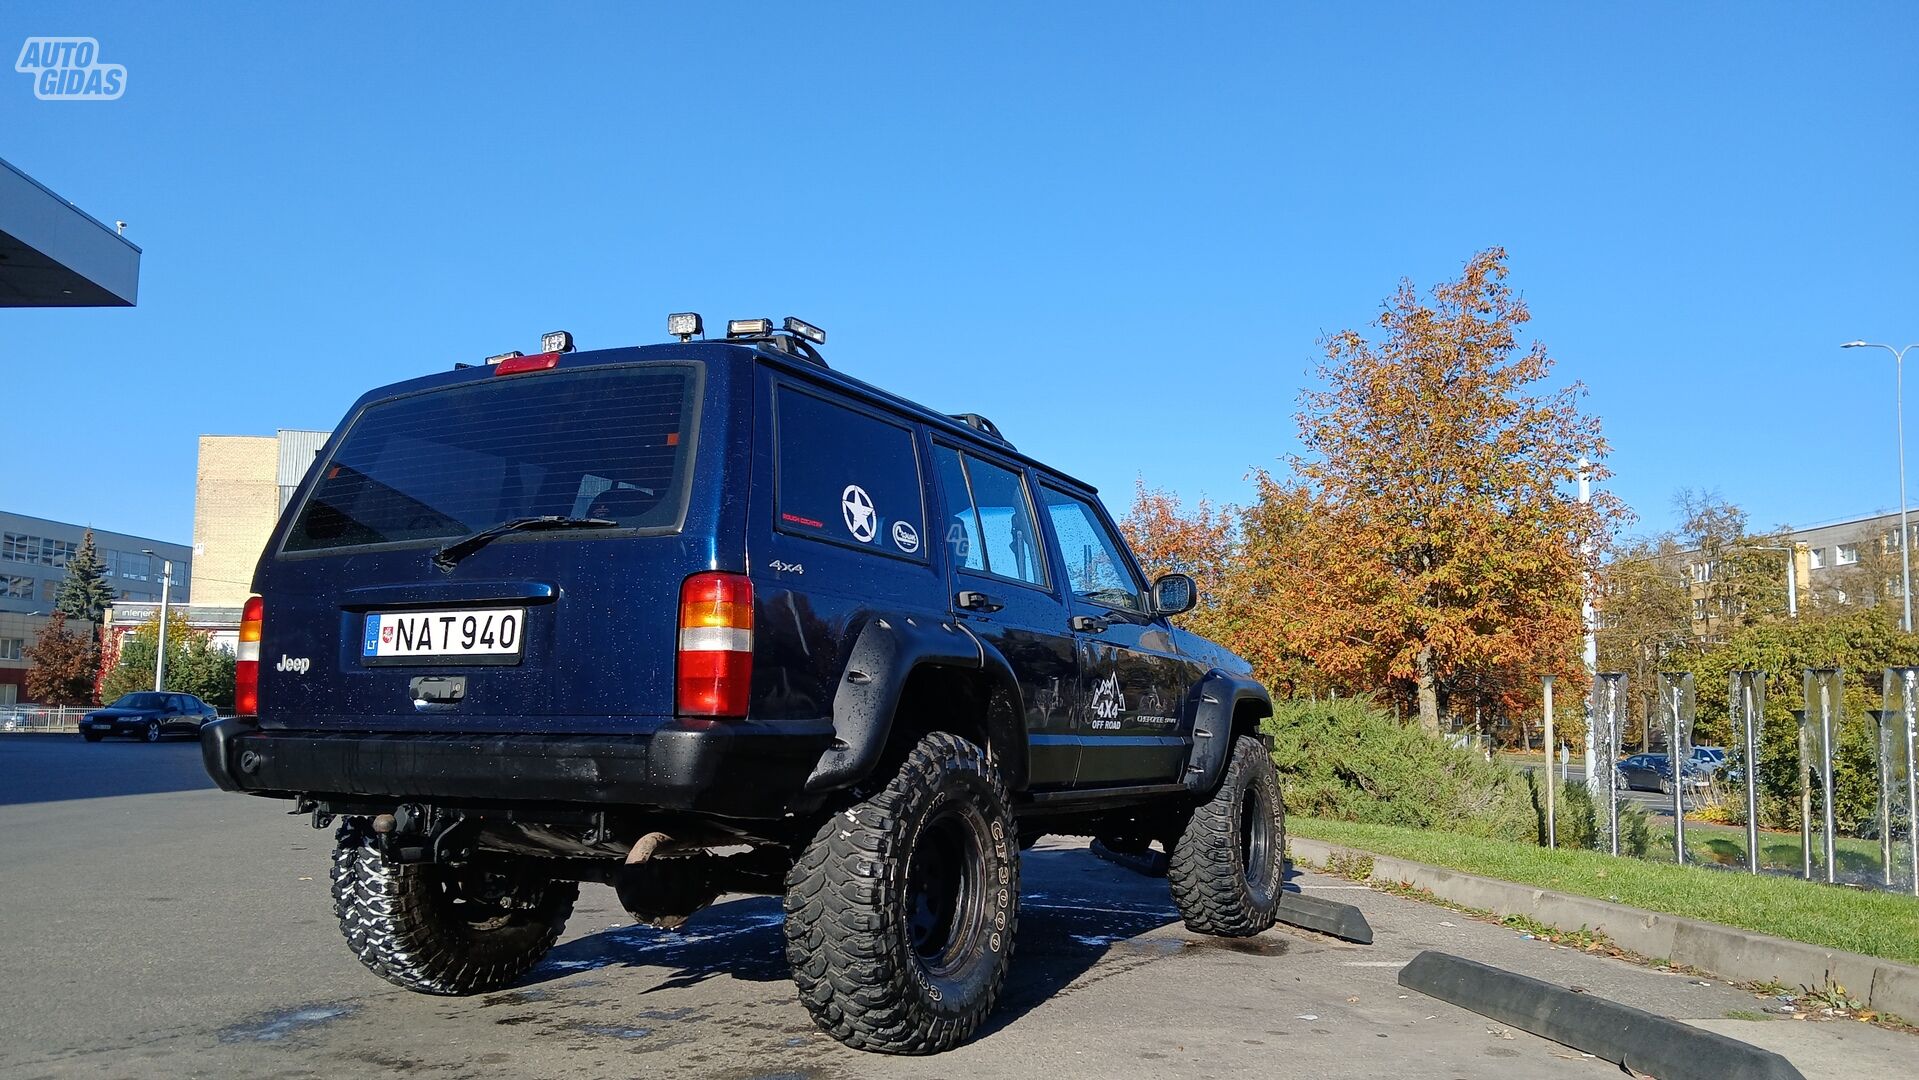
point(449, 556)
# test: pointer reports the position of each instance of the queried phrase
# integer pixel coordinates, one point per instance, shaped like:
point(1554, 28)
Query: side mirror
point(1174, 593)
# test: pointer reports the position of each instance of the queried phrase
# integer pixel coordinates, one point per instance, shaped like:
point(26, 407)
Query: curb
point(1741, 955)
point(1343, 921)
point(1638, 1040)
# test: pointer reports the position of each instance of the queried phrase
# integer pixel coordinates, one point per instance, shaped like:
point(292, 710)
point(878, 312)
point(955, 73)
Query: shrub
point(1351, 760)
point(1575, 818)
point(1635, 830)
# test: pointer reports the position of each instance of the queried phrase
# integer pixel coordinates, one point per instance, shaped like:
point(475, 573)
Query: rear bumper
point(734, 769)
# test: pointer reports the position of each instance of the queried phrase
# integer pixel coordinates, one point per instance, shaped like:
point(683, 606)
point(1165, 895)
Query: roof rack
point(983, 426)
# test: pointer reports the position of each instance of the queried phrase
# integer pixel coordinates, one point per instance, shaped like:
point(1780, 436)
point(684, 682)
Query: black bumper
point(734, 769)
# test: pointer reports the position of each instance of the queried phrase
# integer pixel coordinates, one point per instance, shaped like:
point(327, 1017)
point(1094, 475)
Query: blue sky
point(1118, 230)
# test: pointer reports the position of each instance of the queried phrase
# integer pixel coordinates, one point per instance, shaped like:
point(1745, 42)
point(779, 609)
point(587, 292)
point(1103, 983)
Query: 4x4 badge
point(857, 509)
point(905, 537)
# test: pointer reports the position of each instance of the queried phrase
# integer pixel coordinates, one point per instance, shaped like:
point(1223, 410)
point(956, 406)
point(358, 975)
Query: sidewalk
point(1729, 952)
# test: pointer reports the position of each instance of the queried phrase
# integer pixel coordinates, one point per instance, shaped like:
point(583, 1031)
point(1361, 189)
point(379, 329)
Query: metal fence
point(1874, 757)
point(43, 718)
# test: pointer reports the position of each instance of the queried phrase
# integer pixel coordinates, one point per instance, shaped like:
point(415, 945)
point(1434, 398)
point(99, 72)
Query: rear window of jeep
point(613, 442)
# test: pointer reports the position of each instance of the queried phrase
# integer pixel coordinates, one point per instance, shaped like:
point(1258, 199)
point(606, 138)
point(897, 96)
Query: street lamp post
point(1899, 414)
point(160, 653)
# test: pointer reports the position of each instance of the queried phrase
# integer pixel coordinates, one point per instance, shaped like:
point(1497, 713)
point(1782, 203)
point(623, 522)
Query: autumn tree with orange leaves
point(1428, 541)
point(1167, 538)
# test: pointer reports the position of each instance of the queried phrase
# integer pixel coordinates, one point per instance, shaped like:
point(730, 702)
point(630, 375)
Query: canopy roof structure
point(53, 254)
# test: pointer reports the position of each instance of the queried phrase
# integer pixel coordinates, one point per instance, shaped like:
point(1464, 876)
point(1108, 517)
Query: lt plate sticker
point(473, 632)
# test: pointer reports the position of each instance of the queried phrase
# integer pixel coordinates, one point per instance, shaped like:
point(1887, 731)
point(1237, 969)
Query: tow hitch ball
point(414, 834)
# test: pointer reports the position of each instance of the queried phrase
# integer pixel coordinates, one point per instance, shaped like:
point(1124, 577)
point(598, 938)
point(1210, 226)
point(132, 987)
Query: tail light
point(246, 661)
point(716, 645)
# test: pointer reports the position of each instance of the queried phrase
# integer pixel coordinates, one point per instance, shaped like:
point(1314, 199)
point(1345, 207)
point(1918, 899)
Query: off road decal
point(1108, 702)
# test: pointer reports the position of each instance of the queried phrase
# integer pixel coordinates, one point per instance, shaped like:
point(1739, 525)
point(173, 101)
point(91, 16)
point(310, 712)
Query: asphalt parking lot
point(156, 927)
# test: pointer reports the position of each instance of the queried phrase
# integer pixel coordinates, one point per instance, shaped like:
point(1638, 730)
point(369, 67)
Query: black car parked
point(1653, 772)
point(712, 617)
point(149, 715)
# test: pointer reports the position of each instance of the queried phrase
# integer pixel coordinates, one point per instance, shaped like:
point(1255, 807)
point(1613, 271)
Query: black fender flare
point(888, 650)
point(1216, 701)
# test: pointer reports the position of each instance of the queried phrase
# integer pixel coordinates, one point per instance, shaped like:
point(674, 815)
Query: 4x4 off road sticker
point(905, 537)
point(1108, 702)
point(857, 508)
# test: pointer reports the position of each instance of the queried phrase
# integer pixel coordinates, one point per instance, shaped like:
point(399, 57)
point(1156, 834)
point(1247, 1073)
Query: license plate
point(486, 635)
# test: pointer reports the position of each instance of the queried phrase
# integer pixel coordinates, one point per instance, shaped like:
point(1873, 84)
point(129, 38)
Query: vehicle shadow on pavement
point(740, 938)
point(51, 768)
point(1075, 914)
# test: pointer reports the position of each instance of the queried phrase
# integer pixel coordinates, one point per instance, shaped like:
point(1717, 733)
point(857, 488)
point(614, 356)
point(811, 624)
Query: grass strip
point(1856, 920)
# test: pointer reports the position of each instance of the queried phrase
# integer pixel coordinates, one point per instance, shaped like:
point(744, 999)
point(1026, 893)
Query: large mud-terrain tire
point(1228, 862)
point(900, 912)
point(416, 925)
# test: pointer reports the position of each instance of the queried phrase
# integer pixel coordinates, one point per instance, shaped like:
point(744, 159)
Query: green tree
point(85, 593)
point(205, 670)
point(1729, 566)
point(194, 664)
point(63, 665)
point(1645, 619)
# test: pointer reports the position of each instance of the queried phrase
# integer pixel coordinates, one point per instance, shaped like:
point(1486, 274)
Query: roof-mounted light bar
point(685, 325)
point(507, 355)
point(801, 328)
point(556, 341)
point(739, 328)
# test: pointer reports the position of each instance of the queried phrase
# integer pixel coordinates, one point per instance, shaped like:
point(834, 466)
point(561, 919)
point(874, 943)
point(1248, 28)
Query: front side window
point(848, 477)
point(1095, 567)
point(990, 523)
point(448, 462)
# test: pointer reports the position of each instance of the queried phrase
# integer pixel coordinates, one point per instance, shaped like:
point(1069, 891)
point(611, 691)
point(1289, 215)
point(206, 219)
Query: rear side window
point(613, 442)
point(848, 477)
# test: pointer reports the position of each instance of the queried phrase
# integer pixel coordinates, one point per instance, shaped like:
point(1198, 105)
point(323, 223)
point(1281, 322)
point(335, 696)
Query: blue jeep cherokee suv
point(596, 616)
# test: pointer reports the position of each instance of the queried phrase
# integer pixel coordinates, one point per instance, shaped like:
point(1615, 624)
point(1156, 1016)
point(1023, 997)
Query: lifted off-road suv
point(710, 617)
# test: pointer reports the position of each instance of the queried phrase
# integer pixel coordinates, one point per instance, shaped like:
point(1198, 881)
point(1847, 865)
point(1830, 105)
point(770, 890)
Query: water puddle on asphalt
point(274, 1026)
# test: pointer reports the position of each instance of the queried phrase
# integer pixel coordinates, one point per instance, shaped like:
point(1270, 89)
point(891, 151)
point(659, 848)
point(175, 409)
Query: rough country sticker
point(905, 537)
point(69, 69)
point(857, 509)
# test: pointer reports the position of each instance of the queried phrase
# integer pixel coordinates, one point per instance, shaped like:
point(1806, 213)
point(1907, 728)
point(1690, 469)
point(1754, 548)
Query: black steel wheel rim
point(1256, 841)
point(946, 911)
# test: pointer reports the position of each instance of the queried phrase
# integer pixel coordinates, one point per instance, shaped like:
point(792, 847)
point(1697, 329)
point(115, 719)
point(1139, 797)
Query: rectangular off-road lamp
point(685, 325)
point(508, 355)
point(749, 327)
point(806, 330)
point(556, 341)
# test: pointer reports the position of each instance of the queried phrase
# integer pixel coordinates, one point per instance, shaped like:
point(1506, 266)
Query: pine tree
point(85, 593)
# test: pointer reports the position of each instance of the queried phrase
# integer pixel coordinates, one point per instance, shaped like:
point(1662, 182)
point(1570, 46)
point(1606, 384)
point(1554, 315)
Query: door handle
point(1090, 624)
point(976, 601)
